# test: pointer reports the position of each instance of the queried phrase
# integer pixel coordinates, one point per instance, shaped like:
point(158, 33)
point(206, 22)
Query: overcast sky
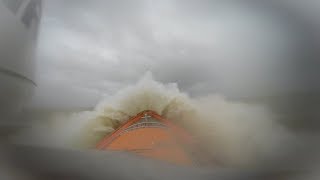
point(89, 49)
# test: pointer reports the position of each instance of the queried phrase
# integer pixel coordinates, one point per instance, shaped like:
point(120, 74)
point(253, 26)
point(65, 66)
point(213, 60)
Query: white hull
point(19, 21)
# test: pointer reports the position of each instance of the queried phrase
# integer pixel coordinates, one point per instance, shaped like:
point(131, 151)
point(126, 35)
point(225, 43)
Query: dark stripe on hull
point(16, 75)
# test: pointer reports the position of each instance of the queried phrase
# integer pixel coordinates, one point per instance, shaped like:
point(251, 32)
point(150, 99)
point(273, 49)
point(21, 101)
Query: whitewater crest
point(146, 94)
point(234, 133)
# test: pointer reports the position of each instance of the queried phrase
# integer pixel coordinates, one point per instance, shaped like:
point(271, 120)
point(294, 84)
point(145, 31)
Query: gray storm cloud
point(94, 48)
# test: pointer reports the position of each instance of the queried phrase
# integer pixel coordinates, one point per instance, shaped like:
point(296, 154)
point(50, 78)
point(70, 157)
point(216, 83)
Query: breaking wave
point(233, 133)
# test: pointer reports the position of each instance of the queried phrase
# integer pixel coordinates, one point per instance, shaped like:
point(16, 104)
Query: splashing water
point(233, 133)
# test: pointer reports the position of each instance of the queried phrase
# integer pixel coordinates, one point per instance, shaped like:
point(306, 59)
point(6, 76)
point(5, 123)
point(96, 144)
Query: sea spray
point(232, 133)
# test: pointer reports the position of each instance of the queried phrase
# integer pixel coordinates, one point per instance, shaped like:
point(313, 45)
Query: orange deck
point(150, 135)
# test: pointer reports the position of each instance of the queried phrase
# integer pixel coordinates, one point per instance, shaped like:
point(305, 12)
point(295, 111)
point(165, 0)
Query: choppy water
point(234, 133)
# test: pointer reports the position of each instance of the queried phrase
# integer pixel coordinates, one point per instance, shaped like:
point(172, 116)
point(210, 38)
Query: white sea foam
point(234, 133)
